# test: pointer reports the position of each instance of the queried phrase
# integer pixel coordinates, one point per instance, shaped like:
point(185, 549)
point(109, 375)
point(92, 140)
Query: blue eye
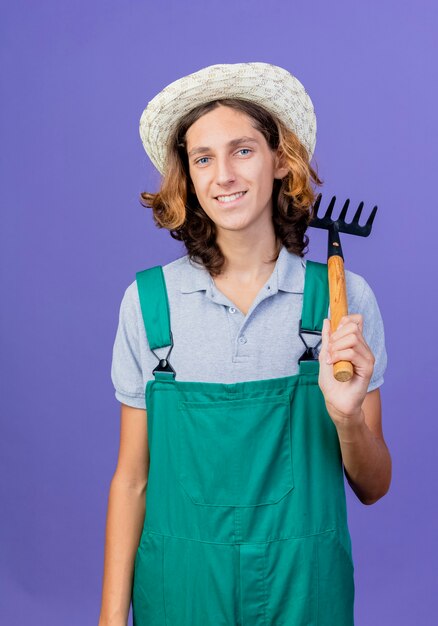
point(202, 160)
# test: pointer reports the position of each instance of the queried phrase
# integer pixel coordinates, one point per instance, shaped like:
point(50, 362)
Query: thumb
point(325, 335)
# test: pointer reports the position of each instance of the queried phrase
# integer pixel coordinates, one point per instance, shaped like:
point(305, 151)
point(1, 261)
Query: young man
point(242, 450)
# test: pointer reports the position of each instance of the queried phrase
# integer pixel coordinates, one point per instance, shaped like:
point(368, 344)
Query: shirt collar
point(287, 275)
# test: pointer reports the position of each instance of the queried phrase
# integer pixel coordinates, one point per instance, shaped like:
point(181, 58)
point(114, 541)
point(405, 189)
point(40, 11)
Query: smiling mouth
point(231, 198)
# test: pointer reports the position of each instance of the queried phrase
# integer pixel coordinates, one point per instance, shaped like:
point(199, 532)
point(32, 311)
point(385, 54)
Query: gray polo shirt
point(215, 342)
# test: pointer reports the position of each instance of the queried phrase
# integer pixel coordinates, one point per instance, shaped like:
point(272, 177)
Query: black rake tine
point(344, 211)
point(316, 205)
point(329, 211)
point(371, 218)
point(356, 217)
point(340, 225)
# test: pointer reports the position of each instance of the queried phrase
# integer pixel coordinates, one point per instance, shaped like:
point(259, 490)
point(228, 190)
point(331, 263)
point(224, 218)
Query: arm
point(366, 458)
point(125, 516)
point(355, 413)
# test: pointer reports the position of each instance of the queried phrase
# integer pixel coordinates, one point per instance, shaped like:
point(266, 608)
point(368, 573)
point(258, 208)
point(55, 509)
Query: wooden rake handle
point(342, 370)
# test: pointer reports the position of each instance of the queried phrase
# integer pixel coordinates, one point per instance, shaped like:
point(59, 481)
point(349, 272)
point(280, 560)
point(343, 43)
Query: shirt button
point(242, 339)
point(232, 309)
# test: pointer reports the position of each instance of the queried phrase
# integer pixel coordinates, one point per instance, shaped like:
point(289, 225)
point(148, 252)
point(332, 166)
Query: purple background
point(75, 77)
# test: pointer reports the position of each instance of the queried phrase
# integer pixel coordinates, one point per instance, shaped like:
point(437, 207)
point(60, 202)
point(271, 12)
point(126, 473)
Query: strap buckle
point(311, 353)
point(164, 365)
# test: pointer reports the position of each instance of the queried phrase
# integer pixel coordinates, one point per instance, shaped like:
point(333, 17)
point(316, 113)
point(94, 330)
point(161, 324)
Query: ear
point(280, 169)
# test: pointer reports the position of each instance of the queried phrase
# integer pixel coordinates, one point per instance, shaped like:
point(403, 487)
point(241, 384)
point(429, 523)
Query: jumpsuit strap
point(316, 296)
point(316, 300)
point(154, 304)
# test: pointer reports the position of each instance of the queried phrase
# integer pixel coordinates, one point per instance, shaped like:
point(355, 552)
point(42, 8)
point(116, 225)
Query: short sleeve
point(126, 369)
point(374, 334)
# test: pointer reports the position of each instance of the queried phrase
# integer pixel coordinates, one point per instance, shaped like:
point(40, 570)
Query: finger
point(351, 339)
point(356, 318)
point(350, 330)
point(356, 354)
point(347, 329)
point(361, 357)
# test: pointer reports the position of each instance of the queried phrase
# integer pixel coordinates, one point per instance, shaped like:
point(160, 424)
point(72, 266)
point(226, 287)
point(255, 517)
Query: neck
point(248, 259)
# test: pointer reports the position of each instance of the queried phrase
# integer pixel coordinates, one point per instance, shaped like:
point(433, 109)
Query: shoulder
point(360, 294)
point(130, 301)
point(361, 299)
point(356, 286)
point(174, 272)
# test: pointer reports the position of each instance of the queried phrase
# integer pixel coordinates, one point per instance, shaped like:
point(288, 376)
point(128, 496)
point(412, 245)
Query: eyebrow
point(231, 144)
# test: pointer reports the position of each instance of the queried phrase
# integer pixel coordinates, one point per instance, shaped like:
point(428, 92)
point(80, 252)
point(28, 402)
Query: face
point(232, 168)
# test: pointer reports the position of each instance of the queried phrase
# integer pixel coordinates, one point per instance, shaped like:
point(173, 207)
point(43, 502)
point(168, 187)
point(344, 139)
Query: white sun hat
point(273, 87)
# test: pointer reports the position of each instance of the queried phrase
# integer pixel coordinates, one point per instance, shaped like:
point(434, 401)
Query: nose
point(224, 173)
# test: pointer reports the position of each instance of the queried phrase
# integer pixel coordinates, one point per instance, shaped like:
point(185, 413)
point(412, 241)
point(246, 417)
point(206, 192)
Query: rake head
point(353, 227)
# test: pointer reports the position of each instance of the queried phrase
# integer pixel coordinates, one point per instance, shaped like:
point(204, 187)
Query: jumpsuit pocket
point(236, 452)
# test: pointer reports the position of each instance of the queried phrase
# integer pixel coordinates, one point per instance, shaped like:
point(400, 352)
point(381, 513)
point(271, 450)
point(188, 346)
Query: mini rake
point(342, 370)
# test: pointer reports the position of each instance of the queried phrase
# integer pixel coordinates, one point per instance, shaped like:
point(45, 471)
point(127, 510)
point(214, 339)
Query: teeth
point(234, 196)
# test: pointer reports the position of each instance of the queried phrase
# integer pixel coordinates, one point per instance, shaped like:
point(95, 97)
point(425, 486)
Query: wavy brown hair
point(176, 207)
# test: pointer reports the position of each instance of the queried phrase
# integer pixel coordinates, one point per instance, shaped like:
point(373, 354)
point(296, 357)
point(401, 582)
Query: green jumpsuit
point(246, 520)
